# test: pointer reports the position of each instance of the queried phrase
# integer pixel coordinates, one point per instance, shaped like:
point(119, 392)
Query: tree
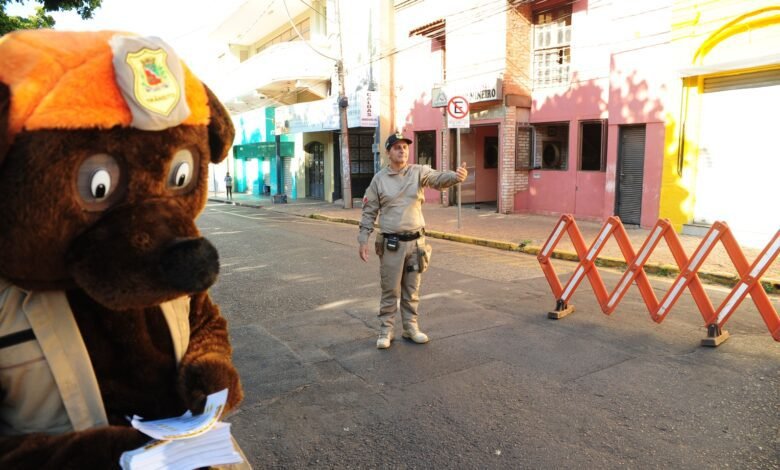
point(85, 8)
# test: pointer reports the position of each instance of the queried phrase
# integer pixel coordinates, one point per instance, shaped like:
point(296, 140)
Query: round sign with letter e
point(458, 113)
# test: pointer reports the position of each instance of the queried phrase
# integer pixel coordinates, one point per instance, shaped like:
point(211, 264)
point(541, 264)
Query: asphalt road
point(498, 386)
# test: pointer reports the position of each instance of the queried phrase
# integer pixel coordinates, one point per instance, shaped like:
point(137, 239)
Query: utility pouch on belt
point(379, 245)
point(424, 256)
point(392, 242)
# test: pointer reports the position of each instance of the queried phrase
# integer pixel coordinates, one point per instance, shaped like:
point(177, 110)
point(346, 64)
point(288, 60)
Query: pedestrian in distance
point(396, 196)
point(229, 186)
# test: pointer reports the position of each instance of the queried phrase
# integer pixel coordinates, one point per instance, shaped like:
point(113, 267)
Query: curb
point(771, 286)
point(234, 203)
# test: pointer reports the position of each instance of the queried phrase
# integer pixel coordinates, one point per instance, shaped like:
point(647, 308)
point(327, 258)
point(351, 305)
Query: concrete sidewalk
point(527, 233)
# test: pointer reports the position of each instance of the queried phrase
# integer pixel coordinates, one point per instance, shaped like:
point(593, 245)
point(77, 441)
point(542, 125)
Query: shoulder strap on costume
point(52, 321)
point(177, 315)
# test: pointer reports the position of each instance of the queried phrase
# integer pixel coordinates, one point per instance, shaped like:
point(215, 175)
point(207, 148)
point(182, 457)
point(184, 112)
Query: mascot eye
point(181, 175)
point(182, 171)
point(100, 184)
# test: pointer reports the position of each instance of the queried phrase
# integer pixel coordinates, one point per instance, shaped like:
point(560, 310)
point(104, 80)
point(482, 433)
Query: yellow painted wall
point(707, 33)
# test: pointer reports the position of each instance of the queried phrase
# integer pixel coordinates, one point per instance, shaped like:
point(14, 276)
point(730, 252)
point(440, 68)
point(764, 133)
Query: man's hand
point(462, 172)
point(363, 250)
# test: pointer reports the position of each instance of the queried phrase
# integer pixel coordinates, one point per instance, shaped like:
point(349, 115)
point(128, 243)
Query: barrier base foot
point(561, 310)
point(715, 336)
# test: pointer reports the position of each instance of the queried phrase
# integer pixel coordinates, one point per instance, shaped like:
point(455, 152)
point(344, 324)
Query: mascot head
point(105, 141)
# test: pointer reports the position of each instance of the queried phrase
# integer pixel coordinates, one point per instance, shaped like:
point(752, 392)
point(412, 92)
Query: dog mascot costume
point(105, 141)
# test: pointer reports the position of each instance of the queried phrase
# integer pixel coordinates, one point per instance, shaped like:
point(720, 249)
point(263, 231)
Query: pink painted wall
point(569, 191)
point(590, 194)
point(624, 82)
point(611, 174)
point(624, 99)
point(651, 184)
point(551, 192)
point(423, 117)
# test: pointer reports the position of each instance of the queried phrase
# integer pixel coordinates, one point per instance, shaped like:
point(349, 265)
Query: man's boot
point(413, 333)
point(385, 338)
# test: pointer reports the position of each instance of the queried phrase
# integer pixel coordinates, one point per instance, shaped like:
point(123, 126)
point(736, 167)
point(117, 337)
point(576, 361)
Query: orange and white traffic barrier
point(714, 320)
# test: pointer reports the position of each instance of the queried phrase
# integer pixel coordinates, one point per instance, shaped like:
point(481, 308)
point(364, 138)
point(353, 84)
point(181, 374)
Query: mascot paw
point(94, 448)
point(206, 375)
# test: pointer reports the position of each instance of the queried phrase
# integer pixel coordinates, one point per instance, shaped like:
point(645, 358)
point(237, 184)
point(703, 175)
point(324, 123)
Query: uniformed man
point(396, 195)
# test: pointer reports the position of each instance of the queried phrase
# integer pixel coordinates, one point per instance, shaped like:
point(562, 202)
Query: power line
point(289, 18)
point(457, 27)
point(257, 20)
point(313, 9)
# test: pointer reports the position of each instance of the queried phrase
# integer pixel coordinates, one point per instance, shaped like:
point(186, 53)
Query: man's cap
point(397, 137)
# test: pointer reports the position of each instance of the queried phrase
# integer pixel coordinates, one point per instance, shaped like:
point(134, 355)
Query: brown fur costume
point(118, 257)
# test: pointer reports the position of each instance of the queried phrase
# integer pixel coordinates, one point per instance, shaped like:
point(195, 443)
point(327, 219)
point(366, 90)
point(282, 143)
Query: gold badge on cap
point(154, 86)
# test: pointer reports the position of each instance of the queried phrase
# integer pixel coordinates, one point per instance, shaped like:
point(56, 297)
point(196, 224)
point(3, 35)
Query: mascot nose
point(190, 265)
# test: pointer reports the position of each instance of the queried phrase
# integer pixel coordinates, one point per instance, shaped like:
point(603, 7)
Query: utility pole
point(279, 196)
point(346, 184)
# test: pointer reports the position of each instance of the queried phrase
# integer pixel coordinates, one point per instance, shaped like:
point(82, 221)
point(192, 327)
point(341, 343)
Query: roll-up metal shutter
point(288, 180)
point(630, 176)
point(745, 80)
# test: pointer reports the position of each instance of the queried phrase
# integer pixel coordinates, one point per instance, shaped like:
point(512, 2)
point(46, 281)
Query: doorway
point(480, 150)
point(630, 175)
point(315, 170)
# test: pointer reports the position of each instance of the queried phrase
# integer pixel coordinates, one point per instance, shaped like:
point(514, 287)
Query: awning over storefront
point(265, 150)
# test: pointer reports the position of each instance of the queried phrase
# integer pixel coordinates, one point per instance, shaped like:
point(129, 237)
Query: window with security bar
point(361, 156)
point(593, 145)
point(552, 47)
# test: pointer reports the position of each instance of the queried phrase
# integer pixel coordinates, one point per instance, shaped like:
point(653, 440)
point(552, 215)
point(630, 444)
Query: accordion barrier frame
point(714, 319)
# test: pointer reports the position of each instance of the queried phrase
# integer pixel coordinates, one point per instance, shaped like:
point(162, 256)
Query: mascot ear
point(5, 110)
point(221, 131)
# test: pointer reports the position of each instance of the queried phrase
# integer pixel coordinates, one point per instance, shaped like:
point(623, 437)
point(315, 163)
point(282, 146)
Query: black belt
point(405, 237)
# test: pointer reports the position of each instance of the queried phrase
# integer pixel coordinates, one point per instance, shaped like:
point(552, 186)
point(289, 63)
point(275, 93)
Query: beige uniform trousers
point(400, 278)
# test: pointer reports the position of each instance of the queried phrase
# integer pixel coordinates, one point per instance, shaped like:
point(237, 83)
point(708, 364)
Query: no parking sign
point(458, 113)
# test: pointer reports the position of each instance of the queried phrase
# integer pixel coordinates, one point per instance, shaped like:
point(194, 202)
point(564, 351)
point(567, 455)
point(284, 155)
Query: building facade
point(589, 107)
point(600, 100)
point(477, 51)
point(281, 86)
point(721, 164)
point(568, 100)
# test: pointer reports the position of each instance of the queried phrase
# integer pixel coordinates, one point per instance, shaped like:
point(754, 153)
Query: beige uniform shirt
point(397, 197)
point(32, 372)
